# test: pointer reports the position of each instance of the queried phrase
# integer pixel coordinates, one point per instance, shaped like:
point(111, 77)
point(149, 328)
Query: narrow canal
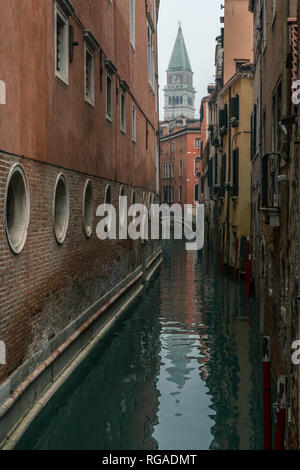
point(180, 370)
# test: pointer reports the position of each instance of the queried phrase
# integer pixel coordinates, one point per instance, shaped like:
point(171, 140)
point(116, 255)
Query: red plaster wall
point(50, 122)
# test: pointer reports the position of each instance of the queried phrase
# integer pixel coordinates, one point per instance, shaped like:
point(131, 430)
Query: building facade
point(225, 174)
point(275, 203)
point(180, 157)
point(79, 128)
point(179, 91)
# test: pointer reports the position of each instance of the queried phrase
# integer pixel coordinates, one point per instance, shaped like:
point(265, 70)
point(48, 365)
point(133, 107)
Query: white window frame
point(197, 146)
point(109, 117)
point(180, 167)
point(89, 98)
point(123, 112)
point(132, 22)
point(64, 74)
point(133, 118)
point(150, 50)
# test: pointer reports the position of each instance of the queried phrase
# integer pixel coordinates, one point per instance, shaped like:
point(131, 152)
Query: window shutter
point(235, 158)
point(226, 115)
point(221, 117)
point(237, 107)
point(253, 131)
point(216, 169)
point(223, 176)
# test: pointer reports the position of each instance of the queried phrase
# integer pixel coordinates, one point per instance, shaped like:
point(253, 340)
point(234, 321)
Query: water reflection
point(180, 370)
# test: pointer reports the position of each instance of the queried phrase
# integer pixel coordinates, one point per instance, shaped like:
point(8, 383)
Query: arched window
point(61, 209)
point(17, 208)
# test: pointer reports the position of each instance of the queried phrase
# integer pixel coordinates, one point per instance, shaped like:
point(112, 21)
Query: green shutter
point(235, 183)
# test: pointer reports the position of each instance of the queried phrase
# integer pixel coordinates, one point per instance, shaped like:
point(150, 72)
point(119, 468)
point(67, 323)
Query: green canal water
point(180, 370)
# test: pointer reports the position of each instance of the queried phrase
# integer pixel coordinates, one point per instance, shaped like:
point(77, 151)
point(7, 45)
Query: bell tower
point(179, 92)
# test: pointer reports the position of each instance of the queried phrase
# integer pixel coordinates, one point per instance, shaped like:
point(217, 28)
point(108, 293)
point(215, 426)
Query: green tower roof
point(180, 59)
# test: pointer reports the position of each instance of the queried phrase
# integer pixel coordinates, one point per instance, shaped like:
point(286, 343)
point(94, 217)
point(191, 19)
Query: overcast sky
point(200, 25)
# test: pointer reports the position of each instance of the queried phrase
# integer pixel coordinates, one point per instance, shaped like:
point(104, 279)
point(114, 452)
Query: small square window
point(109, 100)
point(89, 77)
point(123, 112)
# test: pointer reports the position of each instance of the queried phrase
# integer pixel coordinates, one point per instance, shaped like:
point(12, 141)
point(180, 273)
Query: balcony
point(270, 204)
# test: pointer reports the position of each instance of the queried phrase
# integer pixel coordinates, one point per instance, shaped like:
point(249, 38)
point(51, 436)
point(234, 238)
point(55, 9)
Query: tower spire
point(179, 58)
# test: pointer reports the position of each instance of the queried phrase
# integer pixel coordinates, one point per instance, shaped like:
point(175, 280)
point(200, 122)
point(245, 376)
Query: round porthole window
point(88, 208)
point(17, 208)
point(61, 209)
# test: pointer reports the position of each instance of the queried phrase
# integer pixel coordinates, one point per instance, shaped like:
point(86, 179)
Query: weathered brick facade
point(274, 197)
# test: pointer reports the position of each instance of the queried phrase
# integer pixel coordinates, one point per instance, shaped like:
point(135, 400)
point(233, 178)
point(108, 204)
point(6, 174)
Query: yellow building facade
point(235, 168)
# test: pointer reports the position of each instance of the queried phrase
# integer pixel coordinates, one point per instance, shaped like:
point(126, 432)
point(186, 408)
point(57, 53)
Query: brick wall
point(48, 286)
